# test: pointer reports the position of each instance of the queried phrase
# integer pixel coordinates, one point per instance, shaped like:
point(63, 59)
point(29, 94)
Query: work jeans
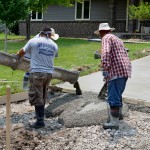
point(116, 88)
point(38, 88)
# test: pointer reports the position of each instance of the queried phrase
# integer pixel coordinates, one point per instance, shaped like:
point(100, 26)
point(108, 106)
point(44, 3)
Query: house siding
point(121, 9)
point(55, 13)
point(99, 10)
point(62, 19)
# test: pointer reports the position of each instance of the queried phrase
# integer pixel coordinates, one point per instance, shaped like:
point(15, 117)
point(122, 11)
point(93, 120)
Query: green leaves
point(141, 12)
point(12, 11)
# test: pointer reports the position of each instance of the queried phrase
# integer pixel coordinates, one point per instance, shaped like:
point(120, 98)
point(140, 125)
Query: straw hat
point(103, 26)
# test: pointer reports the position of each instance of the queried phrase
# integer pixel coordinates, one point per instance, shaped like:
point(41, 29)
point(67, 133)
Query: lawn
point(73, 54)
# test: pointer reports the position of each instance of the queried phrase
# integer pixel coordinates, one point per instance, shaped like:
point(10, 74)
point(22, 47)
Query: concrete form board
point(14, 97)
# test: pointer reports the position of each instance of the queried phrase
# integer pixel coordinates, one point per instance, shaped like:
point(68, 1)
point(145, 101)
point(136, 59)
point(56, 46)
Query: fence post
point(8, 123)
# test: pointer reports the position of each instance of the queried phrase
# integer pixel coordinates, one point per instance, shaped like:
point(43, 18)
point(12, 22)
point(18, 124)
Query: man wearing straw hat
point(116, 68)
point(42, 51)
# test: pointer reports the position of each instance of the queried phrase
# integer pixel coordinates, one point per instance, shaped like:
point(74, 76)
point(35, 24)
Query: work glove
point(106, 75)
point(97, 54)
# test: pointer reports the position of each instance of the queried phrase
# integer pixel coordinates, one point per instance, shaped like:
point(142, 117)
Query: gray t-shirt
point(43, 51)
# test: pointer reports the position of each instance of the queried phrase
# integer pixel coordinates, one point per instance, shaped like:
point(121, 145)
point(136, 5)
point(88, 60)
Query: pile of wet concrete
point(79, 110)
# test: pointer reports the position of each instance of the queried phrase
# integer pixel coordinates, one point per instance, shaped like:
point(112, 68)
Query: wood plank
point(15, 97)
point(133, 101)
point(146, 103)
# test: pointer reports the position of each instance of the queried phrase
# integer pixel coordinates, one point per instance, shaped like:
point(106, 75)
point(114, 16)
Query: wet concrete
point(79, 110)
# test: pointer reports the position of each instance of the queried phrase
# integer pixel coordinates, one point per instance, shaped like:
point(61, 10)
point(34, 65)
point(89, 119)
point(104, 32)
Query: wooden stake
point(8, 123)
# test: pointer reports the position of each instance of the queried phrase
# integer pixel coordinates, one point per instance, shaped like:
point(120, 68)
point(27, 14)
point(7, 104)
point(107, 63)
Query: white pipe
point(127, 15)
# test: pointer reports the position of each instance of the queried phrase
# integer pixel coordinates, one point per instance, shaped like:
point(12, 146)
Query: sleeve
point(56, 50)
point(27, 47)
point(37, 36)
point(105, 58)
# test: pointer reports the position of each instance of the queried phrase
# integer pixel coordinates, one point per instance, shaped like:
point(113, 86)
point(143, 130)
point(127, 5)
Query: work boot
point(120, 115)
point(108, 111)
point(113, 124)
point(113, 115)
point(39, 111)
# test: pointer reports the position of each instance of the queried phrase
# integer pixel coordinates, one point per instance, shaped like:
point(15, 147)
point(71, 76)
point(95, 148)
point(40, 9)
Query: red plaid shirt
point(114, 57)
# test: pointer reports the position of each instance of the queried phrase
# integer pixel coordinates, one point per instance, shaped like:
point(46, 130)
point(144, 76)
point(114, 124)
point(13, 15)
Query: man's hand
point(106, 75)
point(21, 53)
point(97, 54)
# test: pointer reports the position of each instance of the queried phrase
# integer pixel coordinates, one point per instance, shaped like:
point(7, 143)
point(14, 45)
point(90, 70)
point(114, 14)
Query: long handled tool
point(103, 92)
point(103, 96)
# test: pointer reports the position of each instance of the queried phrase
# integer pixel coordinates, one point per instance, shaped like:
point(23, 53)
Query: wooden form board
point(14, 97)
point(136, 101)
point(24, 95)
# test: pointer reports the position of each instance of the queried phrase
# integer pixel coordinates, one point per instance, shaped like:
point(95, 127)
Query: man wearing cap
point(116, 68)
point(42, 51)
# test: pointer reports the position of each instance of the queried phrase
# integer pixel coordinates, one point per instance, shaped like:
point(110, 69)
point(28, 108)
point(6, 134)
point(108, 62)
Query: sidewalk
point(138, 87)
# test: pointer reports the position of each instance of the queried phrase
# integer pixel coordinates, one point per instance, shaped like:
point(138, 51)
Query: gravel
point(133, 134)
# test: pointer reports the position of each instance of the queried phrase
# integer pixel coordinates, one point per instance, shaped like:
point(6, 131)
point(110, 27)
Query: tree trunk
point(5, 47)
point(28, 27)
point(142, 29)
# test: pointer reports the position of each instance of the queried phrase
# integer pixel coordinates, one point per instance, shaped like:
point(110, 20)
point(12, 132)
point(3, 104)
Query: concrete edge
point(15, 97)
point(136, 101)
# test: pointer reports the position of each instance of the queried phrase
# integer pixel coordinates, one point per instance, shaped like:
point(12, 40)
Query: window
point(82, 10)
point(37, 15)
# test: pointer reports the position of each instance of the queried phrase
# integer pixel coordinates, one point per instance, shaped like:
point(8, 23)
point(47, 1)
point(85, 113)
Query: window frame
point(37, 17)
point(82, 18)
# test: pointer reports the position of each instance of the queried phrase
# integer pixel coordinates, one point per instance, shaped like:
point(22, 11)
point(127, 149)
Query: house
point(82, 19)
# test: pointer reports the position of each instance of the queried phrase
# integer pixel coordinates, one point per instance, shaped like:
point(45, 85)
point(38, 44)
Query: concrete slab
point(138, 87)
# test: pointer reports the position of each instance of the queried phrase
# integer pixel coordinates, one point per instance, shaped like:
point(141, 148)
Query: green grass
point(11, 37)
point(73, 54)
point(136, 50)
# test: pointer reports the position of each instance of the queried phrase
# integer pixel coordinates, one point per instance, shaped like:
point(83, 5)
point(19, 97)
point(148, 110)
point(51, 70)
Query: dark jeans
point(115, 89)
point(38, 88)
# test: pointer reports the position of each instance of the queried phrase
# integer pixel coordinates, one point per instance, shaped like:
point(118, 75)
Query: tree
point(11, 12)
point(141, 12)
